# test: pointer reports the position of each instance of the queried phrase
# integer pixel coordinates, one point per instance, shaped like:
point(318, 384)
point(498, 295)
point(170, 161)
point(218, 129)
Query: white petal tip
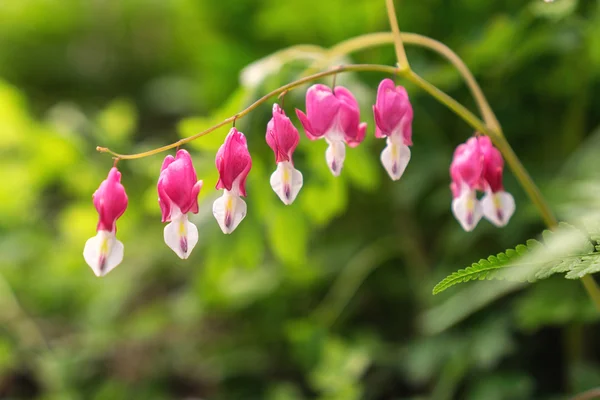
point(181, 236)
point(335, 156)
point(467, 210)
point(286, 182)
point(103, 253)
point(498, 207)
point(395, 158)
point(229, 210)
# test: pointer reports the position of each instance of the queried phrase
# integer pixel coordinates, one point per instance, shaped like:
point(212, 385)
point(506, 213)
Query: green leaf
point(566, 250)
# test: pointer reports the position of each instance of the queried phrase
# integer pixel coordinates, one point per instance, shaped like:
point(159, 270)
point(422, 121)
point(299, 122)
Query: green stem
point(398, 46)
point(241, 114)
point(369, 40)
point(448, 101)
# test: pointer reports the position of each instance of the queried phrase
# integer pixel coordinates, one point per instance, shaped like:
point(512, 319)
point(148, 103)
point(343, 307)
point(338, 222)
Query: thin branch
point(241, 114)
point(370, 40)
point(398, 46)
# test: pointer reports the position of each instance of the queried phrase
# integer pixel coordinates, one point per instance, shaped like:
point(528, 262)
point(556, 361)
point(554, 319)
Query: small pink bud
point(233, 163)
point(178, 190)
point(104, 252)
point(393, 119)
point(335, 116)
point(283, 138)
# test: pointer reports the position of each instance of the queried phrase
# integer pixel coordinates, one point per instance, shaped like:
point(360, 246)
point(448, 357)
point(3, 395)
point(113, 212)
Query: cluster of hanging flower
point(478, 165)
point(331, 114)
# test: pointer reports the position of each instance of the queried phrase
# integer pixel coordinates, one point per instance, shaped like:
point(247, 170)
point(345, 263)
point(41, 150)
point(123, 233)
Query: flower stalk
point(342, 68)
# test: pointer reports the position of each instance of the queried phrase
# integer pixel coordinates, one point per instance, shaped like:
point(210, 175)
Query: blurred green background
point(329, 298)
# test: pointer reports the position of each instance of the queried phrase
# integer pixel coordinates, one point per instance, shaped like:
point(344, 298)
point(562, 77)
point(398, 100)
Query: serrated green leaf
point(566, 250)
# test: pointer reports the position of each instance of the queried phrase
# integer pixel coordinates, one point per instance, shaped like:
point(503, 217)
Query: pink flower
point(334, 116)
point(393, 119)
point(477, 165)
point(178, 190)
point(283, 138)
point(233, 163)
point(104, 252)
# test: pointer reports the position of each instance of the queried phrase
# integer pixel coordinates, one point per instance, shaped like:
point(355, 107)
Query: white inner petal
point(498, 207)
point(335, 155)
point(466, 209)
point(286, 181)
point(229, 210)
point(395, 158)
point(181, 236)
point(103, 252)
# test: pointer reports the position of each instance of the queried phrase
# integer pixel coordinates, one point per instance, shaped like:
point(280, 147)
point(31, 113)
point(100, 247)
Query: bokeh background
point(329, 298)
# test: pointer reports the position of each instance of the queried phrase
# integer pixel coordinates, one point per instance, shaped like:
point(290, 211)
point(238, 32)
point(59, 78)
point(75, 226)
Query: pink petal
point(282, 136)
point(321, 108)
point(467, 164)
point(349, 117)
point(233, 162)
point(177, 185)
point(362, 130)
point(110, 201)
point(307, 126)
point(378, 133)
point(493, 164)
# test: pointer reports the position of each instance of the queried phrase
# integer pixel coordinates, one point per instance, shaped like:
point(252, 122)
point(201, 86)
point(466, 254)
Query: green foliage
point(566, 250)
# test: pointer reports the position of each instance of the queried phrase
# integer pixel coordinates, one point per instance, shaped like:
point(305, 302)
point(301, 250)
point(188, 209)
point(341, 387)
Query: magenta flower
point(477, 165)
point(233, 163)
point(178, 190)
point(393, 119)
point(104, 252)
point(498, 206)
point(335, 116)
point(283, 138)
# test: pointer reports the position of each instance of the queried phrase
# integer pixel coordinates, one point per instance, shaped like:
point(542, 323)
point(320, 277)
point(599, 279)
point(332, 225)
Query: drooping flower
point(233, 162)
point(498, 206)
point(465, 171)
point(393, 119)
point(478, 165)
point(104, 252)
point(178, 190)
point(283, 138)
point(335, 116)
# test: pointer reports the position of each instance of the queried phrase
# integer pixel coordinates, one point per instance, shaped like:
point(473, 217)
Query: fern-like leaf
point(566, 250)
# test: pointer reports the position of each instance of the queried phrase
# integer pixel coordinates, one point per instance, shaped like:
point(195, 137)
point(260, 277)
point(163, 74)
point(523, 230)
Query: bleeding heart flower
point(104, 252)
point(233, 163)
point(478, 165)
point(178, 190)
point(335, 116)
point(283, 138)
point(393, 119)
